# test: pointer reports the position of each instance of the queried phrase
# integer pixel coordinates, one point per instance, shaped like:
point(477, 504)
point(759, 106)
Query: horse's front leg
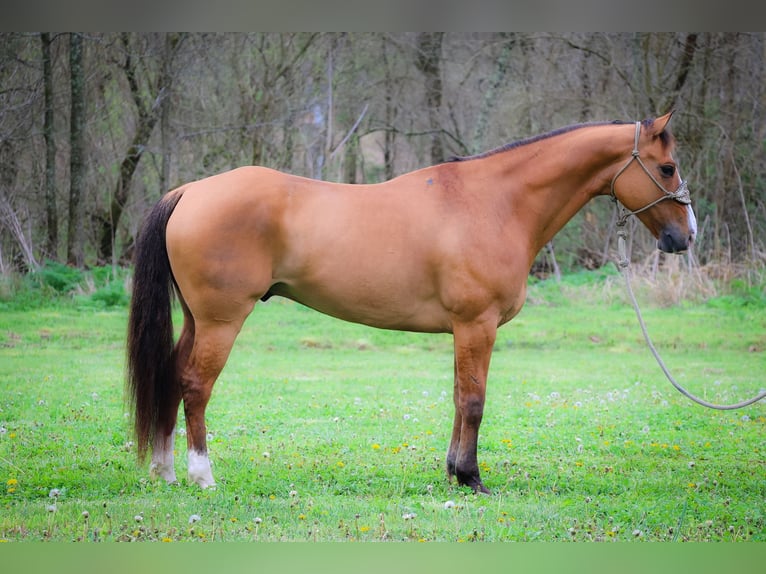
point(473, 348)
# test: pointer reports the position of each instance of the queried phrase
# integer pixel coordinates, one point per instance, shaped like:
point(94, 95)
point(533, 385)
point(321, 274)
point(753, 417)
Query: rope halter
point(681, 195)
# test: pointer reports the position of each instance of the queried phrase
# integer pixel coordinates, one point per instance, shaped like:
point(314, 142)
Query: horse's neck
point(547, 182)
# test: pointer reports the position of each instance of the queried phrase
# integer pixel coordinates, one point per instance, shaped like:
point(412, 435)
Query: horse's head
point(649, 185)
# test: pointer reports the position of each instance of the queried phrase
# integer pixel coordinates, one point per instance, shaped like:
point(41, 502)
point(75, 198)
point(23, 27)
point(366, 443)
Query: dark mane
point(537, 138)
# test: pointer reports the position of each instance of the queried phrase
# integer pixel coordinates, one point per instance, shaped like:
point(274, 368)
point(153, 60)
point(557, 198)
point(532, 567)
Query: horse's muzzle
point(673, 240)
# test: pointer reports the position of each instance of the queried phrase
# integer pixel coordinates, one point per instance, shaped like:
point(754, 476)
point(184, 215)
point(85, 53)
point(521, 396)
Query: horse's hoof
point(481, 489)
point(165, 473)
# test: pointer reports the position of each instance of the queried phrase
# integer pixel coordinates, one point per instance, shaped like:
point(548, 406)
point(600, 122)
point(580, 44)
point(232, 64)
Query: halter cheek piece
point(681, 195)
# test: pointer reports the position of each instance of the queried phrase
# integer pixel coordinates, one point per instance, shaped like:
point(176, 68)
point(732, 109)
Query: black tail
point(151, 379)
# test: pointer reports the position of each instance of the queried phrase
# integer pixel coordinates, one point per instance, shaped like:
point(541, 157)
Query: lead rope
point(623, 264)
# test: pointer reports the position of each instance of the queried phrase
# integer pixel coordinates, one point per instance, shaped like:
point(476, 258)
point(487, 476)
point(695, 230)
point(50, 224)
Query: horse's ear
point(660, 124)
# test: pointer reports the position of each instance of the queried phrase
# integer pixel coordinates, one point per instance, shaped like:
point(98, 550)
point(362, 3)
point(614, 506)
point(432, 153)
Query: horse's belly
point(368, 306)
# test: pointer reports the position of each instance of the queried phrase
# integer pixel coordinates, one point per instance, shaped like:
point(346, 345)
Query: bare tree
point(429, 45)
point(51, 209)
point(148, 101)
point(75, 236)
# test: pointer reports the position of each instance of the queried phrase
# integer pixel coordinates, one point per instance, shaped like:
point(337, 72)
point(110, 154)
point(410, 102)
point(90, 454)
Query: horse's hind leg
point(162, 465)
point(212, 343)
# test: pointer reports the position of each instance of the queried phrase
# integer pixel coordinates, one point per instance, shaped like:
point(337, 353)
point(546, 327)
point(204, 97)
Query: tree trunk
point(165, 104)
point(690, 47)
point(429, 63)
point(490, 95)
point(51, 213)
point(75, 236)
point(389, 134)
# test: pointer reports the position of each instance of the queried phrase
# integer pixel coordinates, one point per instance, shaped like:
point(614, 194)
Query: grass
point(324, 430)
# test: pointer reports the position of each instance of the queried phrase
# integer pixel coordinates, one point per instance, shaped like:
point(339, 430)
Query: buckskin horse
point(446, 248)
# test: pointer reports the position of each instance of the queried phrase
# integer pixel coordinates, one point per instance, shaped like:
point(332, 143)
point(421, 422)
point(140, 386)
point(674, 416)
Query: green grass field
point(324, 430)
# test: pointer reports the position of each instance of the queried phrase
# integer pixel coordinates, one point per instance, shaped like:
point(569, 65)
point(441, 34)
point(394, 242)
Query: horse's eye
point(667, 170)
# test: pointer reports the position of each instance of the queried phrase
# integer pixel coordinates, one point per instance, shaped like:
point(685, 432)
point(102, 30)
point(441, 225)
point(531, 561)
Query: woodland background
point(95, 127)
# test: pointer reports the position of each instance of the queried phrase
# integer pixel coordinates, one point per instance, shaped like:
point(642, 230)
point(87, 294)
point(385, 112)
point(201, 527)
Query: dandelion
point(85, 515)
point(449, 504)
point(54, 493)
point(194, 518)
point(293, 493)
point(257, 520)
point(51, 508)
point(167, 539)
point(409, 516)
point(376, 446)
point(138, 518)
point(637, 533)
point(266, 454)
point(692, 464)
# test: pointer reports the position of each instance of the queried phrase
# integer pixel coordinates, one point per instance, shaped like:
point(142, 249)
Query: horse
point(443, 249)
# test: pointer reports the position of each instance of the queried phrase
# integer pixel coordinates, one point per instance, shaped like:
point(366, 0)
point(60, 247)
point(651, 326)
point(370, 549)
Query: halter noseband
point(681, 195)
